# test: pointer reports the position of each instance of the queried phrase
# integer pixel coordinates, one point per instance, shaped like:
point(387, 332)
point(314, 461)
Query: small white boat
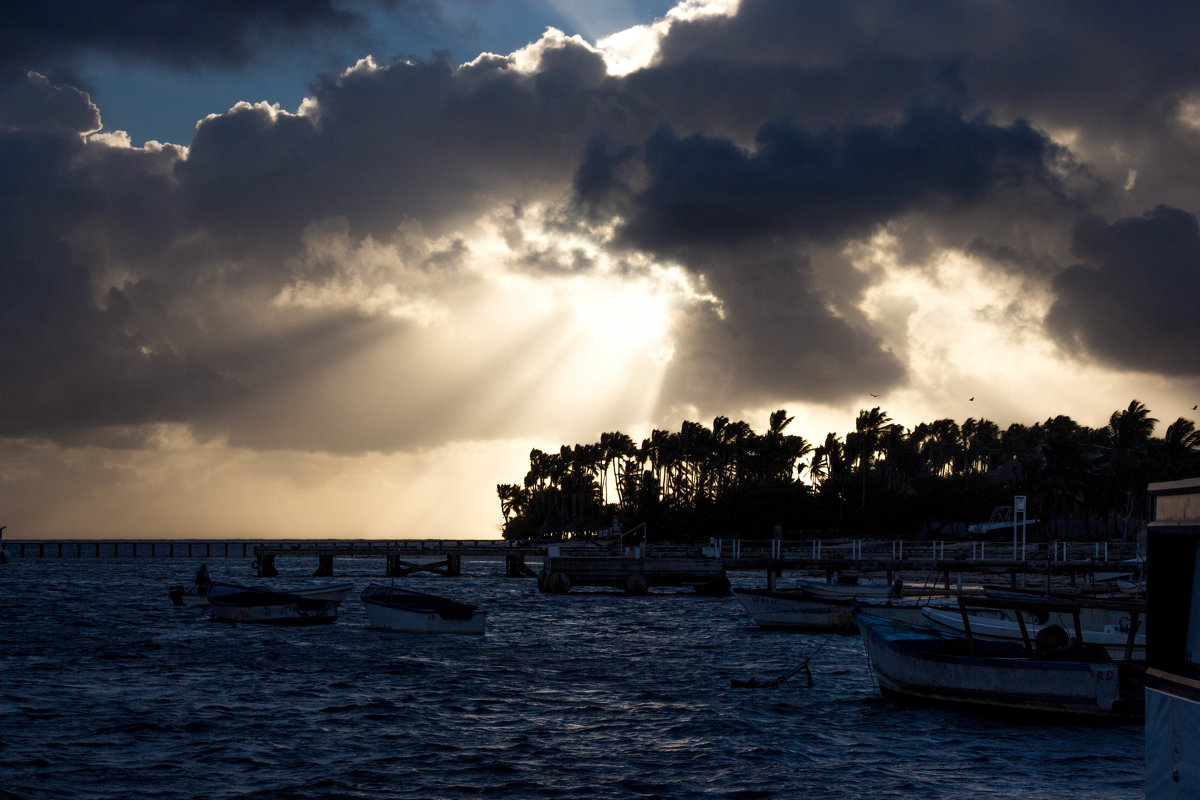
point(926, 664)
point(394, 609)
point(187, 597)
point(796, 609)
point(231, 603)
point(337, 592)
point(801, 609)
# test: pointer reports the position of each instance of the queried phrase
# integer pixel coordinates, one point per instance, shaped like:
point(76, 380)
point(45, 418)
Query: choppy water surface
point(108, 691)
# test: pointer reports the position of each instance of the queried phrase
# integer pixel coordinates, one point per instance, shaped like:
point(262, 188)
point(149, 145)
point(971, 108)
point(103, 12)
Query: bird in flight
point(875, 395)
point(972, 399)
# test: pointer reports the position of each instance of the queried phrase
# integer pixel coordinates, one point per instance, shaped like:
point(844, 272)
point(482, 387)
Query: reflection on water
point(111, 692)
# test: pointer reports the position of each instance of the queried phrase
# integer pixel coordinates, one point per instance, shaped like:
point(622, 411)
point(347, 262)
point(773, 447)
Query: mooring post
point(514, 565)
point(324, 566)
point(453, 565)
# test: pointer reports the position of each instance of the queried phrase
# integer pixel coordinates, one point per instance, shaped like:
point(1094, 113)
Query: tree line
point(881, 479)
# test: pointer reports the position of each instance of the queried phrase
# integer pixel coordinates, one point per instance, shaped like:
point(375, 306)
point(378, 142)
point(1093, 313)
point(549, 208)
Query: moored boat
point(922, 663)
point(801, 609)
point(795, 609)
point(232, 603)
point(395, 609)
point(337, 592)
point(1122, 638)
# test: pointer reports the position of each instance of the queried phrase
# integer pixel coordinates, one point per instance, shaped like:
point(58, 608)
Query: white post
point(1019, 514)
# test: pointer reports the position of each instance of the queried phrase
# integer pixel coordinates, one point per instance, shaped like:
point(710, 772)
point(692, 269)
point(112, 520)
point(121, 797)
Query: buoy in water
point(560, 582)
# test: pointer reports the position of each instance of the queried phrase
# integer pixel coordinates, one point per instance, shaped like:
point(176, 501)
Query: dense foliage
point(878, 480)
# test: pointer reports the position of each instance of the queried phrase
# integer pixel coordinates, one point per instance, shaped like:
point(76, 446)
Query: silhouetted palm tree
point(868, 429)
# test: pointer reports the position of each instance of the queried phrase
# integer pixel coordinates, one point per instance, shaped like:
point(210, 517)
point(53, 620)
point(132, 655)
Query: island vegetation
point(879, 480)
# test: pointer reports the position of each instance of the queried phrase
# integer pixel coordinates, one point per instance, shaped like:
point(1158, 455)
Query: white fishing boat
point(925, 664)
point(337, 592)
point(249, 604)
point(1000, 625)
point(795, 609)
point(801, 609)
point(395, 609)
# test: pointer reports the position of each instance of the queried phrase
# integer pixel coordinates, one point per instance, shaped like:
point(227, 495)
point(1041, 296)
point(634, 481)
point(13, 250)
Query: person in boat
point(202, 580)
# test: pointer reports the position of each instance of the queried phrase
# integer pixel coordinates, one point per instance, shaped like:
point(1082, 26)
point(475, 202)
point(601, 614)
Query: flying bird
point(875, 395)
point(971, 399)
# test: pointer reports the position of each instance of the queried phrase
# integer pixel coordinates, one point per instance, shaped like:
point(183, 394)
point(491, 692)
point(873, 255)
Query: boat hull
point(796, 610)
point(799, 609)
point(407, 611)
point(336, 592)
point(229, 603)
point(929, 665)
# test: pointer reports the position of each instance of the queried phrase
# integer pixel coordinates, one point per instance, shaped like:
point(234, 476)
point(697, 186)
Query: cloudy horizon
point(355, 314)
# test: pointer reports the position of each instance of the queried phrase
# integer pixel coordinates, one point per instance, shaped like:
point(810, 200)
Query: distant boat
point(795, 608)
point(802, 608)
point(1002, 518)
point(406, 610)
point(922, 663)
point(336, 592)
point(249, 604)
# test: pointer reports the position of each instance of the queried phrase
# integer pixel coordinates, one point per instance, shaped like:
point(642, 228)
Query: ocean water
point(109, 691)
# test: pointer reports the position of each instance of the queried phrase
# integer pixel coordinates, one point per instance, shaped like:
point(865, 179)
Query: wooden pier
point(635, 570)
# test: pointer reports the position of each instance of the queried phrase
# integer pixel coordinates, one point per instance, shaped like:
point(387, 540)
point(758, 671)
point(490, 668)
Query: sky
point(332, 269)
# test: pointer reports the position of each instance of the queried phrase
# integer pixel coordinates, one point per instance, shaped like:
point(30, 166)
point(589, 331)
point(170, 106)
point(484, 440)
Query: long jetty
point(586, 563)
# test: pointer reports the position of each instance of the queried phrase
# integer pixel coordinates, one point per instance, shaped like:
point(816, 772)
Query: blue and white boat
point(250, 604)
point(922, 663)
point(393, 609)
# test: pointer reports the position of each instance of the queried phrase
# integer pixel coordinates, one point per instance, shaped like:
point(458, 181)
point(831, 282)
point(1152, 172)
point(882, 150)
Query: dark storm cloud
point(182, 33)
point(1131, 303)
point(826, 185)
